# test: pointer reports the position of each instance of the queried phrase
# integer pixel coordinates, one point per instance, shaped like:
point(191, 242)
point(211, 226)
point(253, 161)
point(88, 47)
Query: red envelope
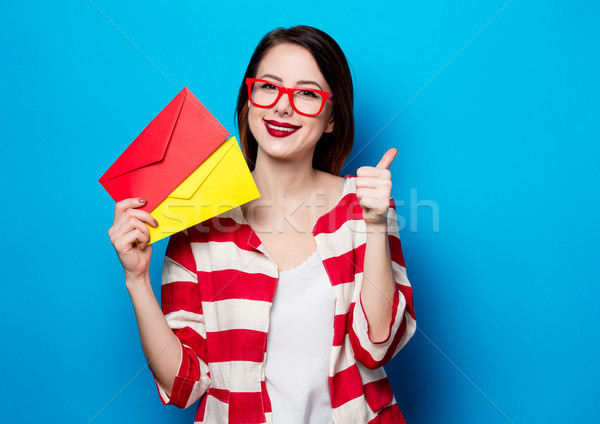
point(169, 149)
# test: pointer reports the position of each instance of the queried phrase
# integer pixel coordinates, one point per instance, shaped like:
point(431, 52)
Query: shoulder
point(335, 184)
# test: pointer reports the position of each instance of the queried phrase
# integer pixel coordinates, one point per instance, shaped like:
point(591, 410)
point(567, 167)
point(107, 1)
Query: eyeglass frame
point(290, 92)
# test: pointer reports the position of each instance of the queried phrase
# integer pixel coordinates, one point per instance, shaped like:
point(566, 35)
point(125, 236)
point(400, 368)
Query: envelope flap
point(150, 146)
point(188, 187)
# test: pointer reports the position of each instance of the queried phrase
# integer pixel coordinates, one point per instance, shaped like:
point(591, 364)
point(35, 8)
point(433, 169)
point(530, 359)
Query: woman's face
point(280, 131)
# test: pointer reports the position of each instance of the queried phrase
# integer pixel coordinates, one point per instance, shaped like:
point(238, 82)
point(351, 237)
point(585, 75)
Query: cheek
point(254, 121)
point(324, 123)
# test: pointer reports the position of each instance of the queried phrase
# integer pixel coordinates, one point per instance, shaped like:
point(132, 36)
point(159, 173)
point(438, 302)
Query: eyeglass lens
point(305, 101)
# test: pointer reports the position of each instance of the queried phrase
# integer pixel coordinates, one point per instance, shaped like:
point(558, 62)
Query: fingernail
point(142, 200)
point(155, 223)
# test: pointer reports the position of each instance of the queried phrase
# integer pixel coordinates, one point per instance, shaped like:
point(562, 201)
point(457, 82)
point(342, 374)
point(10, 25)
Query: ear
point(330, 124)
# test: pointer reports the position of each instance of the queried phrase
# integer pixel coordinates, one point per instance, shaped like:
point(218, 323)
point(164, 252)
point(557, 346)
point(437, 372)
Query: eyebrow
point(302, 82)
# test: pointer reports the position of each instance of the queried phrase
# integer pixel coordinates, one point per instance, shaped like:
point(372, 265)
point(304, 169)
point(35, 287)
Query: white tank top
point(299, 345)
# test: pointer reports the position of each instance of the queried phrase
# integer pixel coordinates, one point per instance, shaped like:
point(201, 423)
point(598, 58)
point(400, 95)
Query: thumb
point(387, 159)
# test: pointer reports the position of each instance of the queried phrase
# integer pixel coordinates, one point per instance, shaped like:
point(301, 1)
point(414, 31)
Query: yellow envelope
point(221, 183)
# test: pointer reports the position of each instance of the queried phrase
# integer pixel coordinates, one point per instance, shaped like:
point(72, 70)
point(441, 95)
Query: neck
point(276, 177)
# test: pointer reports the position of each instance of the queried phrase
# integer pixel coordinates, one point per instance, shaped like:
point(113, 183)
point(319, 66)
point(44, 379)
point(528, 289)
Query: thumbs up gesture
point(373, 190)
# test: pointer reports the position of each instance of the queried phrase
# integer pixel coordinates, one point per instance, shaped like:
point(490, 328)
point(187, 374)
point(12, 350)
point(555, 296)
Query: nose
point(284, 105)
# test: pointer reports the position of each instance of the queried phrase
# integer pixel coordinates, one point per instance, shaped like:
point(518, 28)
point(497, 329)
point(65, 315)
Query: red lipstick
point(280, 129)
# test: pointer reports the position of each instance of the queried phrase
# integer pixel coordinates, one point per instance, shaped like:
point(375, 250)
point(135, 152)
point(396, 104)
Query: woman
point(249, 319)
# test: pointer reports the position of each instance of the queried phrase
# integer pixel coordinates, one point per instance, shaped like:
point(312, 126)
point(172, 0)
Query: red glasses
point(305, 101)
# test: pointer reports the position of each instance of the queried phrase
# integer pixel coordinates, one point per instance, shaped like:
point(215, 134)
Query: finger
point(128, 240)
point(376, 193)
point(387, 159)
point(142, 233)
point(372, 172)
point(134, 202)
point(127, 224)
point(143, 237)
point(373, 204)
point(365, 182)
point(139, 215)
point(143, 228)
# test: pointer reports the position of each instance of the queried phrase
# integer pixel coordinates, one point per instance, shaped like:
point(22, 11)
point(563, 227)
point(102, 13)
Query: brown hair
point(333, 148)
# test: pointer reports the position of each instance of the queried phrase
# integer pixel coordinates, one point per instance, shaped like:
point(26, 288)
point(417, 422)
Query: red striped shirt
point(218, 288)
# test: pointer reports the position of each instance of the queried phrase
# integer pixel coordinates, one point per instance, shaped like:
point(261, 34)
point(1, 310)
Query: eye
point(267, 86)
point(308, 93)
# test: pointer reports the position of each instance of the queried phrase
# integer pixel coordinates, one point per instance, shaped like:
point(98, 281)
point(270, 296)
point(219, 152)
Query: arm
point(378, 286)
point(129, 235)
point(163, 350)
point(182, 307)
point(383, 321)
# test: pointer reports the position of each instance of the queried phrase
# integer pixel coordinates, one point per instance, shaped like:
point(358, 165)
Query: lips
point(280, 129)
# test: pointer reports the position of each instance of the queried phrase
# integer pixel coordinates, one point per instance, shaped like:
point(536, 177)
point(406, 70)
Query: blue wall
point(498, 131)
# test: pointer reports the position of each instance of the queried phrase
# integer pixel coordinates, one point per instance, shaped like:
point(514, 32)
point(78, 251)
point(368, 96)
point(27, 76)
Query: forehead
point(291, 63)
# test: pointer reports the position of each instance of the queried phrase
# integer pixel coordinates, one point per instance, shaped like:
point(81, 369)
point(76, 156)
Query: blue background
point(498, 130)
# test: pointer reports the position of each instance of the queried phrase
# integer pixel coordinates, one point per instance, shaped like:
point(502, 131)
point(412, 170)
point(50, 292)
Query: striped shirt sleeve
point(402, 326)
point(182, 307)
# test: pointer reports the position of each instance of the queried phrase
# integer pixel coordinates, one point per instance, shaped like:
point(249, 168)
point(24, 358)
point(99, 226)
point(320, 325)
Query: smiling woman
point(328, 60)
point(303, 119)
point(286, 309)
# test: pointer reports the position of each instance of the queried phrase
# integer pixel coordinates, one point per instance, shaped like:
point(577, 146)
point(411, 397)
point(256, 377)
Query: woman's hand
point(130, 235)
point(373, 190)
